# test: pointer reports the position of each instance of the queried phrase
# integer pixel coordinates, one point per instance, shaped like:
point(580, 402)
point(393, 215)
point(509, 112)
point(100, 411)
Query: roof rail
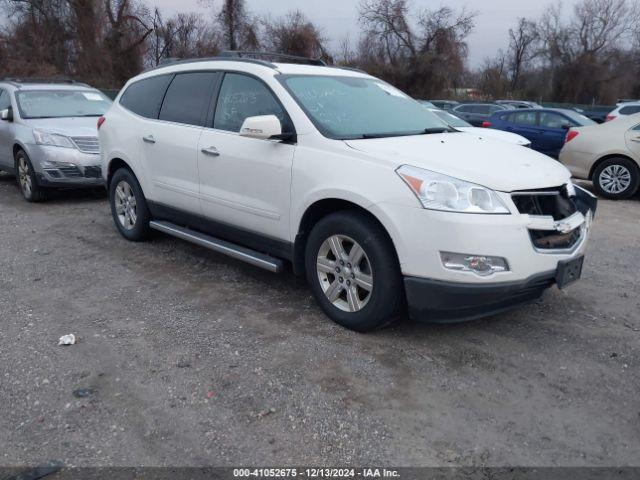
point(18, 81)
point(178, 61)
point(285, 58)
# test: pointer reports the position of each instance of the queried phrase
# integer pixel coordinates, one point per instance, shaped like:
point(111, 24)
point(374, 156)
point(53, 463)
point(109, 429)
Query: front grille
point(87, 144)
point(546, 240)
point(552, 202)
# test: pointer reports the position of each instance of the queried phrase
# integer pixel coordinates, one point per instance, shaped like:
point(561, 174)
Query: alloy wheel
point(615, 179)
point(24, 177)
point(345, 274)
point(125, 203)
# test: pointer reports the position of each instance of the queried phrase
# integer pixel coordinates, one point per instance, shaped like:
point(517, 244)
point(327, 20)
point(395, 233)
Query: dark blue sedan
point(545, 128)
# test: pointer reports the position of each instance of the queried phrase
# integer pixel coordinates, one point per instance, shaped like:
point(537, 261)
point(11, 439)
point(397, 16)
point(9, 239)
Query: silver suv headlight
point(441, 192)
point(52, 139)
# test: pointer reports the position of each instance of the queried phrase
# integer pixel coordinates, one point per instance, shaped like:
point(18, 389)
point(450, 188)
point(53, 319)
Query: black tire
point(136, 231)
point(26, 177)
point(385, 301)
point(611, 163)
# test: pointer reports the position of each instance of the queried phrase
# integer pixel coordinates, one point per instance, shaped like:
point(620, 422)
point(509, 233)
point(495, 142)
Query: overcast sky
point(337, 18)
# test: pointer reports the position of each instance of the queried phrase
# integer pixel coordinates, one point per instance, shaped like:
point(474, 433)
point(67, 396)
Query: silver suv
point(48, 135)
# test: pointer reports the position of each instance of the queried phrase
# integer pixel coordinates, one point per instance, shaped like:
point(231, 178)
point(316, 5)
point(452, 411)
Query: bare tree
point(522, 49)
point(294, 34)
point(425, 57)
point(185, 35)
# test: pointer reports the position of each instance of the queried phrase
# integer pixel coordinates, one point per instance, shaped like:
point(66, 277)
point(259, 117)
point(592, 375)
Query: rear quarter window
point(144, 97)
point(629, 110)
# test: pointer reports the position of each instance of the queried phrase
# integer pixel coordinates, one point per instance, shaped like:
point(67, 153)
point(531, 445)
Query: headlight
point(52, 139)
point(441, 192)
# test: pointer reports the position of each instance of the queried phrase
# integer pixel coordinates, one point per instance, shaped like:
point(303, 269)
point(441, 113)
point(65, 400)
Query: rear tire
point(26, 177)
point(616, 178)
point(128, 206)
point(353, 272)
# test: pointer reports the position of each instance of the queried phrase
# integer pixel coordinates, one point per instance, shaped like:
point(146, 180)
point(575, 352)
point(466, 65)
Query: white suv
point(359, 187)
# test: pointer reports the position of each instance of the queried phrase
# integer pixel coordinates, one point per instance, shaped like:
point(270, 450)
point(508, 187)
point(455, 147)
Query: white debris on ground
point(67, 339)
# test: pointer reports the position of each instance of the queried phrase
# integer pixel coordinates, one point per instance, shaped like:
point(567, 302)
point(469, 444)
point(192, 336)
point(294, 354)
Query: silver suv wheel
point(24, 177)
point(125, 202)
point(345, 274)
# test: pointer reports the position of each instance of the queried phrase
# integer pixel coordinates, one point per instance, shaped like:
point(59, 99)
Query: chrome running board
point(232, 250)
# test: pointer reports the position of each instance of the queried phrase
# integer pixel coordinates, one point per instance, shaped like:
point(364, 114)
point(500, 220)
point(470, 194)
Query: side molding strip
point(232, 250)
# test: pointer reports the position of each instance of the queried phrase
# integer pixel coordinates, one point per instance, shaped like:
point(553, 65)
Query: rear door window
point(188, 98)
point(554, 120)
point(482, 109)
point(144, 97)
point(524, 118)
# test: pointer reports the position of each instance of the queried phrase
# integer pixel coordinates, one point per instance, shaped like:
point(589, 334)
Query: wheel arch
point(116, 163)
point(17, 146)
point(316, 212)
point(609, 156)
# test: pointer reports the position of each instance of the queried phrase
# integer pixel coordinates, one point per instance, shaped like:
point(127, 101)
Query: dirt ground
point(192, 358)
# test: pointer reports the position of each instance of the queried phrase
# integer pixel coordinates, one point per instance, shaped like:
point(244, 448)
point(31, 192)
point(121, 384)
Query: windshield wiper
point(369, 136)
point(426, 131)
point(434, 130)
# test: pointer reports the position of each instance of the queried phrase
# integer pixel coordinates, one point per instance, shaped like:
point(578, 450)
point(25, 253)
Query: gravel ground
point(192, 358)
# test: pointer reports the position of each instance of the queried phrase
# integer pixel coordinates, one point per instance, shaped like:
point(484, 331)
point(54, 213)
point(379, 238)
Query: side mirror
point(264, 127)
point(7, 114)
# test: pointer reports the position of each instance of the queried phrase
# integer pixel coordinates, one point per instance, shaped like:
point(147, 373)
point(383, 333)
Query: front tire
point(26, 176)
point(128, 206)
point(353, 272)
point(616, 178)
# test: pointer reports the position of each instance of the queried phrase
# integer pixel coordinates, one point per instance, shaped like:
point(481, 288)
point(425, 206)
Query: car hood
point(494, 164)
point(69, 126)
point(497, 135)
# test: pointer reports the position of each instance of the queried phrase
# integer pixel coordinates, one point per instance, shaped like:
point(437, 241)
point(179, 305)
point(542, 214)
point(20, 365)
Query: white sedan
point(461, 125)
point(607, 154)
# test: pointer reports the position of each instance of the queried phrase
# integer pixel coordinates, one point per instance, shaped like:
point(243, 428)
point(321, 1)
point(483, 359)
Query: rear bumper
point(449, 302)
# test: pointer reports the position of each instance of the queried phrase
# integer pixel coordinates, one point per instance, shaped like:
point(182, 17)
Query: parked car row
point(459, 124)
point(546, 128)
point(383, 205)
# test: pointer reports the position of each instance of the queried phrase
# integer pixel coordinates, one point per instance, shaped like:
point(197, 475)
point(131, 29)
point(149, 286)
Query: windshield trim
point(40, 117)
point(282, 78)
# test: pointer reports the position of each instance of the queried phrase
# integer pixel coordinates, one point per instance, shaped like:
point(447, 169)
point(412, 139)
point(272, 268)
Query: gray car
point(48, 135)
point(477, 113)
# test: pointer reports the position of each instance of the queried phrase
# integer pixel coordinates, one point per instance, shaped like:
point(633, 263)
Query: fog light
point(56, 164)
point(478, 264)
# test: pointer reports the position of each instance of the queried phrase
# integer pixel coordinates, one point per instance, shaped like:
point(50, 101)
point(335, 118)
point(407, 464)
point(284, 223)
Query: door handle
point(211, 151)
point(637, 139)
point(149, 139)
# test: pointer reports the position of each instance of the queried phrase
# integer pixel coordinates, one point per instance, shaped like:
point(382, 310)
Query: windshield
point(451, 120)
point(61, 103)
point(346, 108)
point(578, 118)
